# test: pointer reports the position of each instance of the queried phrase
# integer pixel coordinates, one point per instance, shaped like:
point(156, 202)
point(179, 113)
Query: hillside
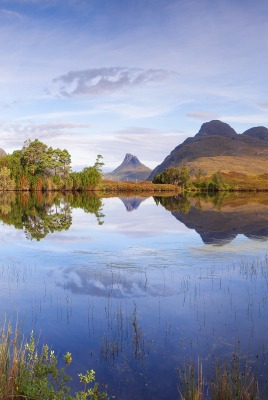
point(218, 147)
point(130, 170)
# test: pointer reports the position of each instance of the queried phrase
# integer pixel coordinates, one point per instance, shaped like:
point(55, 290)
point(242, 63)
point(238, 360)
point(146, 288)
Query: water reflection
point(38, 214)
point(139, 296)
point(132, 203)
point(112, 282)
point(219, 219)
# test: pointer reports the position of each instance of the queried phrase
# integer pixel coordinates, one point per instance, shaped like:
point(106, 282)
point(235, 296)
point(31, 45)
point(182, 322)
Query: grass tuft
point(230, 382)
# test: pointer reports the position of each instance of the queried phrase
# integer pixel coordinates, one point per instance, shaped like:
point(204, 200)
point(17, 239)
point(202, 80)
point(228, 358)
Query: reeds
point(191, 387)
point(230, 382)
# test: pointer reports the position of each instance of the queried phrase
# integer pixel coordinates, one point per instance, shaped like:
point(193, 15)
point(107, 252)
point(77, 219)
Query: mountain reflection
point(219, 219)
point(132, 203)
point(38, 214)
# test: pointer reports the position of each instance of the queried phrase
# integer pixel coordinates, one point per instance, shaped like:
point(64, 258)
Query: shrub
point(28, 372)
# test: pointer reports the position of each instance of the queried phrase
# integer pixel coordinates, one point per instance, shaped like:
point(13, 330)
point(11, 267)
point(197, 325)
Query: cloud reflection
point(112, 282)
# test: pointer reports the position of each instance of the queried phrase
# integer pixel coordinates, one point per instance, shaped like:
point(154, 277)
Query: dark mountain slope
point(259, 132)
point(218, 147)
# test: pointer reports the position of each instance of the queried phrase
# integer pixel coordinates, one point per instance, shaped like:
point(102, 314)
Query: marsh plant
point(29, 371)
point(230, 381)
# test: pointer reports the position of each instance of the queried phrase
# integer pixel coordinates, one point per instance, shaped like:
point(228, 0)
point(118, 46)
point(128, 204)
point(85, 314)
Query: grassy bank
point(243, 182)
point(230, 181)
point(107, 186)
point(202, 181)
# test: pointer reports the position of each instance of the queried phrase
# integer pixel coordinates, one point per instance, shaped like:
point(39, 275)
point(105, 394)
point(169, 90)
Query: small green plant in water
point(28, 372)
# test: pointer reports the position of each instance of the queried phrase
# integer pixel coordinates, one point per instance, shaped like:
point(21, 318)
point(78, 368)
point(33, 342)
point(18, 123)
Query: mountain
point(259, 132)
point(217, 146)
point(131, 170)
point(2, 153)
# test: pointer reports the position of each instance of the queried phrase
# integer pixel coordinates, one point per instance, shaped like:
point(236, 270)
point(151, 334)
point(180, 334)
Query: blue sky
point(129, 76)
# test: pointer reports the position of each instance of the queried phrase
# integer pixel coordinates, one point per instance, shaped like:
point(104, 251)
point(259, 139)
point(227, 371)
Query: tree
point(65, 159)
point(6, 182)
point(184, 177)
point(98, 163)
point(59, 160)
point(91, 177)
point(174, 176)
point(34, 156)
point(218, 182)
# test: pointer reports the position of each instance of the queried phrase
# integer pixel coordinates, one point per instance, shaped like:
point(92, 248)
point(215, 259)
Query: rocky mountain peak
point(131, 169)
point(129, 158)
point(216, 128)
point(259, 132)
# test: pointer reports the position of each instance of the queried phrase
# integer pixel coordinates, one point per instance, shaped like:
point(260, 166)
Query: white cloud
point(106, 80)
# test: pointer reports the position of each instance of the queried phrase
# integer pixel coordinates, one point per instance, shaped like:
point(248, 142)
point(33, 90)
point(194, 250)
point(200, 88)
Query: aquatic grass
point(234, 382)
point(191, 387)
point(231, 381)
point(30, 371)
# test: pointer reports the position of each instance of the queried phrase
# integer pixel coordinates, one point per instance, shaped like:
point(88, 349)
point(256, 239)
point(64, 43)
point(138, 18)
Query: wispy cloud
point(202, 115)
point(106, 80)
point(9, 105)
point(14, 134)
point(264, 105)
point(248, 119)
point(11, 15)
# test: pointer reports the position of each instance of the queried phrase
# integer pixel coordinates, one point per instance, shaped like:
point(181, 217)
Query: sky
point(112, 77)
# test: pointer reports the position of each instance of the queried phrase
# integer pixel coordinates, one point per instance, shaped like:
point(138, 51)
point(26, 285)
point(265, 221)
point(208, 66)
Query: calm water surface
point(137, 287)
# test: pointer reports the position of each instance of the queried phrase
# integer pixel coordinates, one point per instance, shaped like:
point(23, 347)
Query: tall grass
point(107, 186)
point(229, 382)
point(29, 371)
point(191, 386)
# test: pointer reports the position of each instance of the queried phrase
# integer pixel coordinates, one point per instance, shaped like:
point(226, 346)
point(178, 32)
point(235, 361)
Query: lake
point(137, 287)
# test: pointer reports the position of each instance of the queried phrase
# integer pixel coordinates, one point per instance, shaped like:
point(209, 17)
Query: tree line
point(37, 167)
point(187, 180)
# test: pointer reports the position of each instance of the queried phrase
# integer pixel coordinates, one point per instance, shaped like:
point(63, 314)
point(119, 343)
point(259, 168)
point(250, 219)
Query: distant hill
point(2, 153)
point(217, 146)
point(131, 170)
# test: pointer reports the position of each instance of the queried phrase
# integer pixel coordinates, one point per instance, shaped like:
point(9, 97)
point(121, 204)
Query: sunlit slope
point(218, 147)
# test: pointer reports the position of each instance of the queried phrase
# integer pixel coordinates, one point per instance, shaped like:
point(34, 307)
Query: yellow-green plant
point(28, 371)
